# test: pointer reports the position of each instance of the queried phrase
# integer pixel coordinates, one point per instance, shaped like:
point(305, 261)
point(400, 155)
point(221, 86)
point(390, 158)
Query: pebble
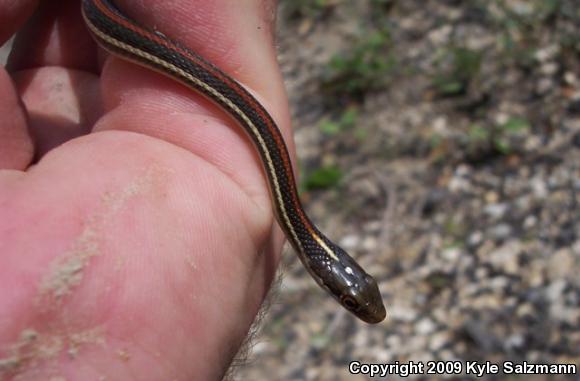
point(459, 182)
point(506, 257)
point(451, 254)
point(402, 313)
point(501, 231)
point(555, 289)
point(570, 78)
point(439, 340)
point(539, 188)
point(544, 86)
point(496, 211)
point(547, 53)
point(425, 326)
point(565, 314)
point(549, 68)
point(561, 264)
point(350, 241)
point(440, 35)
point(499, 283)
point(514, 342)
point(475, 238)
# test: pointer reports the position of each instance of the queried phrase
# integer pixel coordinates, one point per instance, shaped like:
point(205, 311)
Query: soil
point(459, 191)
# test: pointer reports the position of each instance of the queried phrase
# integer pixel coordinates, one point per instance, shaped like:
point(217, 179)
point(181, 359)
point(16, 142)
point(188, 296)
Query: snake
point(330, 266)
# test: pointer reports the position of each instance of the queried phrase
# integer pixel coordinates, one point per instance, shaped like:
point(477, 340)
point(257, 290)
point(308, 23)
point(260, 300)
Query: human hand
point(141, 243)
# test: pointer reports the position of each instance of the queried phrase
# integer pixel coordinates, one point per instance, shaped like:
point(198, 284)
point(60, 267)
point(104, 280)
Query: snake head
point(352, 287)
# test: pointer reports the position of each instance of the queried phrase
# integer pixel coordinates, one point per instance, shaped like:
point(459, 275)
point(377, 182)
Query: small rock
point(547, 53)
point(544, 85)
point(555, 290)
point(439, 340)
point(481, 335)
point(569, 315)
point(423, 357)
point(570, 78)
point(496, 211)
point(549, 68)
point(383, 355)
point(369, 244)
point(451, 254)
point(539, 187)
point(475, 238)
point(415, 344)
point(525, 309)
point(561, 264)
point(506, 257)
point(350, 241)
point(530, 222)
point(491, 197)
point(514, 342)
point(402, 313)
point(440, 125)
point(499, 283)
point(458, 184)
point(486, 301)
point(448, 355)
point(440, 35)
point(425, 326)
point(393, 341)
point(535, 276)
point(501, 231)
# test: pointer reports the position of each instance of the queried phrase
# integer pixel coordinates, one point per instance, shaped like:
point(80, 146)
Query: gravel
point(482, 249)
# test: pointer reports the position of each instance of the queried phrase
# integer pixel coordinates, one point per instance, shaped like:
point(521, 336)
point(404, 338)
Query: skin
point(137, 240)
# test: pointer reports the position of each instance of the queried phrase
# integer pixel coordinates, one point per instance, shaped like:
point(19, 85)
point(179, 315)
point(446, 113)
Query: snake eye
point(349, 302)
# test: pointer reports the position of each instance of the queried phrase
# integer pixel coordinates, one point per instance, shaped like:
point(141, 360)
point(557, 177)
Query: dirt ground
point(453, 128)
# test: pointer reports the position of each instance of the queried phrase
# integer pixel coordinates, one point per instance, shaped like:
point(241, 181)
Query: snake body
point(331, 267)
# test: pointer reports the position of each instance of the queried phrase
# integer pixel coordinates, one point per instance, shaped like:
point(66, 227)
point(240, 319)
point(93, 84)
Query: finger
point(49, 62)
point(16, 148)
point(62, 104)
point(130, 248)
point(54, 35)
point(136, 217)
point(12, 16)
point(236, 36)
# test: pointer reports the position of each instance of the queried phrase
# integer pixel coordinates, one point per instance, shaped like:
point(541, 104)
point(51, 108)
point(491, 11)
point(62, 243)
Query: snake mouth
point(375, 315)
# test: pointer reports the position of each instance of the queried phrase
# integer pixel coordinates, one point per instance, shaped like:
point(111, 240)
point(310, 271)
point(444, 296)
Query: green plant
point(521, 26)
point(305, 8)
point(346, 120)
point(368, 66)
point(459, 67)
point(507, 132)
point(500, 139)
point(323, 178)
point(477, 134)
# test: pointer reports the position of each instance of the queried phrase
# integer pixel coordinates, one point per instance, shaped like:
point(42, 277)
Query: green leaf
point(449, 86)
point(465, 65)
point(323, 178)
point(349, 117)
point(515, 125)
point(477, 133)
point(502, 145)
point(329, 128)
